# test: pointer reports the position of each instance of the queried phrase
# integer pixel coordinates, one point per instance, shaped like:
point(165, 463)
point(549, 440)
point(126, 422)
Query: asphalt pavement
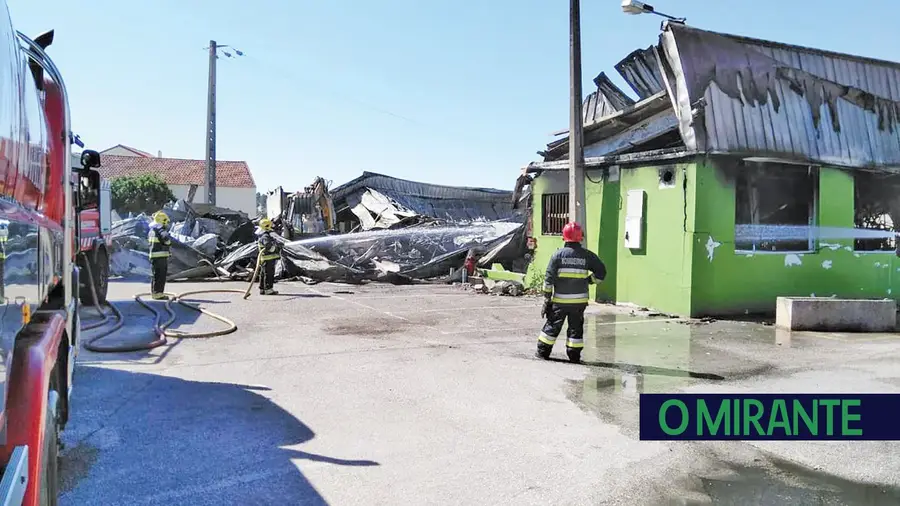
point(429, 394)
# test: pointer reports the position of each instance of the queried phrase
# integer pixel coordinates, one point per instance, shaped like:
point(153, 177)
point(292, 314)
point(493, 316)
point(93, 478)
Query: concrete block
point(827, 314)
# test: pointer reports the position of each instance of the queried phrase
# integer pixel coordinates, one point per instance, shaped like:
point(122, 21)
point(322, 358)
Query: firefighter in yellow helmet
point(270, 252)
point(159, 254)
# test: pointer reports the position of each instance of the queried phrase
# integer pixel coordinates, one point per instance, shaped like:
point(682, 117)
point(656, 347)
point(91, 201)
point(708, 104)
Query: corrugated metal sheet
point(746, 117)
point(444, 202)
point(639, 133)
point(605, 101)
point(617, 124)
point(640, 69)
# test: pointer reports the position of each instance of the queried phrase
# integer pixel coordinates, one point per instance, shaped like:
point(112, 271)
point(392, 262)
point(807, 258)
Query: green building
point(746, 170)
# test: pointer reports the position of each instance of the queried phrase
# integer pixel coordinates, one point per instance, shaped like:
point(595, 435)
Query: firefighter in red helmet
point(570, 272)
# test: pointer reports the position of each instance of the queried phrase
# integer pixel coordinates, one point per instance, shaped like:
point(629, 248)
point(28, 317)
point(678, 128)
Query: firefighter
point(159, 254)
point(570, 272)
point(270, 252)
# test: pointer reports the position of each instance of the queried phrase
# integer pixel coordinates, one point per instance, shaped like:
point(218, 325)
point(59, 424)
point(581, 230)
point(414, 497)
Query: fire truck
point(95, 217)
point(41, 199)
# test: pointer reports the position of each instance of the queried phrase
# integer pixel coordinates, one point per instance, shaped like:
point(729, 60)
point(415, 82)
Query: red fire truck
point(94, 237)
point(40, 200)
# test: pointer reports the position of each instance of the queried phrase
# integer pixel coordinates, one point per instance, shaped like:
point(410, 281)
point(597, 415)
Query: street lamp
point(635, 7)
point(211, 118)
point(576, 117)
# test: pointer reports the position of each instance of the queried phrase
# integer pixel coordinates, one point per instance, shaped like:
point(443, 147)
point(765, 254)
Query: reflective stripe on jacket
point(269, 247)
point(570, 272)
point(159, 242)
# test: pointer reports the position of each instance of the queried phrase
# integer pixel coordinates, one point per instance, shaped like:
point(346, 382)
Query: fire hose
point(161, 328)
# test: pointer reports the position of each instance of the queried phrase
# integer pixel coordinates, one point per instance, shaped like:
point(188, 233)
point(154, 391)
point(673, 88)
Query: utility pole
point(576, 120)
point(211, 127)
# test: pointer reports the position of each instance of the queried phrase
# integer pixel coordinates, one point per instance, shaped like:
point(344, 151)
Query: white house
point(235, 188)
point(123, 150)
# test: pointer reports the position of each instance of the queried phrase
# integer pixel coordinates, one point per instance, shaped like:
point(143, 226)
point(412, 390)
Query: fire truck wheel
point(101, 271)
point(49, 492)
point(84, 291)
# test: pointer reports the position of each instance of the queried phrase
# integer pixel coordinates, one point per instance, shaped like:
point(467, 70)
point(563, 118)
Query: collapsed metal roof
point(727, 94)
point(437, 201)
point(605, 101)
point(640, 69)
point(627, 130)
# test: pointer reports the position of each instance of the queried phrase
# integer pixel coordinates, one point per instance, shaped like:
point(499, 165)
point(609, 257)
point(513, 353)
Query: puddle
point(636, 355)
point(788, 483)
point(626, 356)
point(655, 347)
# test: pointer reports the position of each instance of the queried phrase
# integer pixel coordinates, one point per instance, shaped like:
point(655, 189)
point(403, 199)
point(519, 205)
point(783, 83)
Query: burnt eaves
point(667, 155)
point(640, 69)
point(612, 124)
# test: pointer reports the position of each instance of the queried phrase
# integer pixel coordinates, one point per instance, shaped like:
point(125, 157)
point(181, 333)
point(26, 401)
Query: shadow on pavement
point(645, 369)
point(145, 439)
point(299, 295)
point(192, 300)
point(285, 297)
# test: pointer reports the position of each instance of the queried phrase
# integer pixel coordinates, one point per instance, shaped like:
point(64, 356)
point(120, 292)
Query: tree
point(146, 193)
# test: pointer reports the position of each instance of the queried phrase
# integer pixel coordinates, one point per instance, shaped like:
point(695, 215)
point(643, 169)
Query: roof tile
point(177, 171)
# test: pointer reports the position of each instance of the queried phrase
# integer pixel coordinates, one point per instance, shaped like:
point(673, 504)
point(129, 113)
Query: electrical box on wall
point(634, 219)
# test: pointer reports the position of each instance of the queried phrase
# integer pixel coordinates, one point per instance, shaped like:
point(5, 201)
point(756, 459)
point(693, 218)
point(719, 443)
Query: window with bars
point(554, 213)
point(876, 209)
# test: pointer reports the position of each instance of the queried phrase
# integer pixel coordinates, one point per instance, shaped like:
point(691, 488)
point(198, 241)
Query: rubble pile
point(212, 242)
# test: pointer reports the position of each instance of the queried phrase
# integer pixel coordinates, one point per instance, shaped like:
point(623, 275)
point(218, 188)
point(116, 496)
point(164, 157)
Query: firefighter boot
point(543, 351)
point(574, 355)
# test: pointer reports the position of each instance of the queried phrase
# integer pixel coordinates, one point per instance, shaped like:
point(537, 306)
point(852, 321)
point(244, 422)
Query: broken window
point(554, 213)
point(876, 203)
point(775, 206)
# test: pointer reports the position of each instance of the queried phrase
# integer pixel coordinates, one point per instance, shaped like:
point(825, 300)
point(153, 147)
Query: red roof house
point(235, 187)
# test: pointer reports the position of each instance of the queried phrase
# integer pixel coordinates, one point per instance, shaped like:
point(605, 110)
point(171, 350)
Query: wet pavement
point(722, 356)
point(428, 394)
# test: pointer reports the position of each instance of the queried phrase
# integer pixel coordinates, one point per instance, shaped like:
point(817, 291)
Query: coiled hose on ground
point(160, 327)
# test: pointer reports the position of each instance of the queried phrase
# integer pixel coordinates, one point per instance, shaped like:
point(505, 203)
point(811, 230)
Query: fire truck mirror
point(89, 189)
point(90, 159)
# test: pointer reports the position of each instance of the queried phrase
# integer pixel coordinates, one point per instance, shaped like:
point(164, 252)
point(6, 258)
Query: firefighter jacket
point(268, 247)
point(159, 242)
point(570, 272)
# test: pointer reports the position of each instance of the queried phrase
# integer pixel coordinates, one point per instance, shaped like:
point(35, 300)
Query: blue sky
point(452, 92)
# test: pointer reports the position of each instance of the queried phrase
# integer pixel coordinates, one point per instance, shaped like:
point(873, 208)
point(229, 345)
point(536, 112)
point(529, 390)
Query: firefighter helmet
point(161, 218)
point(572, 232)
point(265, 225)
